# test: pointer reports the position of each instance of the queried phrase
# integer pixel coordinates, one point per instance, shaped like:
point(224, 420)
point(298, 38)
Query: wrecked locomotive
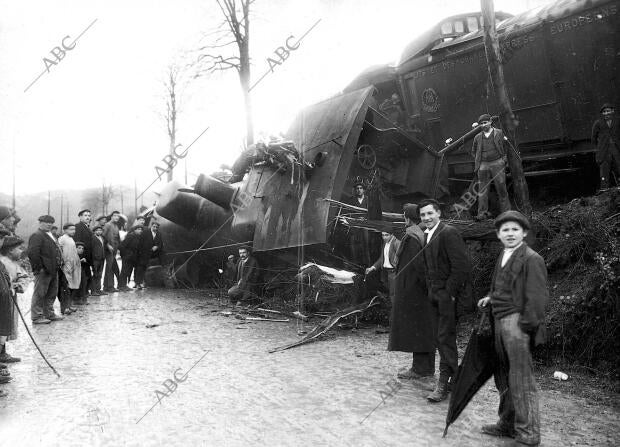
point(560, 63)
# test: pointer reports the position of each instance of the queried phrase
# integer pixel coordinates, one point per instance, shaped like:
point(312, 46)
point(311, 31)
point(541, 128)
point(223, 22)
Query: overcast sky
point(95, 115)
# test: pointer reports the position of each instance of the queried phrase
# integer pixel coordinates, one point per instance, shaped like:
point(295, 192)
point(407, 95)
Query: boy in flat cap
point(517, 297)
point(490, 157)
point(606, 138)
point(45, 259)
point(129, 248)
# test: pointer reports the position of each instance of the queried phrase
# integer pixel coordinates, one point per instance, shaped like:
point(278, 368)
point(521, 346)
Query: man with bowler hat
point(489, 152)
point(45, 259)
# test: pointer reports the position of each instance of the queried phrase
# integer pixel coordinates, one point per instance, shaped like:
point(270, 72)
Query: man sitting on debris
point(490, 158)
point(247, 276)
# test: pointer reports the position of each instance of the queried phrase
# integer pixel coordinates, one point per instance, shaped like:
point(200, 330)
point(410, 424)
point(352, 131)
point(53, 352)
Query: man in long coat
point(71, 267)
point(151, 246)
point(410, 330)
point(45, 259)
point(84, 234)
point(606, 138)
point(113, 240)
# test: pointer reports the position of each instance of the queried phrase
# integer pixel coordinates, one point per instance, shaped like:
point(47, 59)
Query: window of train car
point(446, 28)
point(458, 27)
point(472, 24)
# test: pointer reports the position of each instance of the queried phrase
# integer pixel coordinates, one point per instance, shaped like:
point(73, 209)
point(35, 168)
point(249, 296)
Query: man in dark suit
point(45, 259)
point(113, 240)
point(247, 277)
point(151, 246)
point(98, 249)
point(447, 269)
point(359, 241)
point(386, 263)
point(489, 152)
point(84, 234)
point(606, 137)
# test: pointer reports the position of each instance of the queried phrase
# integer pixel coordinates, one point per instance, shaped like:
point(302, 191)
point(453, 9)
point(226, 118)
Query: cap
point(512, 216)
point(135, 227)
point(84, 211)
point(80, 244)
point(101, 217)
point(97, 227)
point(484, 117)
point(607, 105)
point(46, 218)
point(11, 241)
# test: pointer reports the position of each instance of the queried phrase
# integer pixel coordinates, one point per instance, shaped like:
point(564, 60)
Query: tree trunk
point(496, 75)
point(244, 78)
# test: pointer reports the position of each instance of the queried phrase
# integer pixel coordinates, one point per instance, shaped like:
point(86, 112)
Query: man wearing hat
point(517, 297)
point(84, 234)
point(98, 246)
point(606, 138)
point(489, 152)
point(151, 246)
point(359, 241)
point(113, 240)
point(45, 259)
point(129, 249)
point(101, 221)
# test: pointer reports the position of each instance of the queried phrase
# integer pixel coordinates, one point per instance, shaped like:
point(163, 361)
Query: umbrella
point(478, 365)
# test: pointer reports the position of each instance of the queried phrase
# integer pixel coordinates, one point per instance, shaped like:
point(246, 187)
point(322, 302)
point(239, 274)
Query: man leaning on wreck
point(606, 138)
point(489, 152)
point(517, 297)
point(247, 277)
point(447, 267)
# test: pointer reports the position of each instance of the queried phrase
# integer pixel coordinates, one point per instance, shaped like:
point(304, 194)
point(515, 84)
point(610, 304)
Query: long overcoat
point(71, 265)
point(410, 322)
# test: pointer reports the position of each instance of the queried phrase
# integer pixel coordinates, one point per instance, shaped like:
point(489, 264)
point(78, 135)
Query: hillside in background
point(31, 206)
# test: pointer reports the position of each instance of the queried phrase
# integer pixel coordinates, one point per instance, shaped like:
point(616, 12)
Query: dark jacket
point(529, 289)
point(147, 242)
point(85, 235)
point(44, 253)
point(410, 328)
point(98, 249)
point(602, 134)
point(111, 235)
point(129, 248)
point(247, 274)
point(353, 201)
point(392, 255)
point(476, 149)
point(446, 260)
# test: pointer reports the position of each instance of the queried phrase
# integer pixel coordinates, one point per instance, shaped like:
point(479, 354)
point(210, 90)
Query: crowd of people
point(70, 266)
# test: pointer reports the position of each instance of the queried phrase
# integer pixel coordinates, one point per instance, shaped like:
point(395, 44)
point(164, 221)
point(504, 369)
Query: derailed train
point(560, 64)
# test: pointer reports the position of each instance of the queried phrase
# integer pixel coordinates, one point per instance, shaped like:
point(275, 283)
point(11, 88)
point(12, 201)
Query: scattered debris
point(328, 323)
point(150, 325)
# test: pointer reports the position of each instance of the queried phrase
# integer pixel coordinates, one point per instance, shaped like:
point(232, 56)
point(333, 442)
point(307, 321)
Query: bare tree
point(234, 30)
point(171, 84)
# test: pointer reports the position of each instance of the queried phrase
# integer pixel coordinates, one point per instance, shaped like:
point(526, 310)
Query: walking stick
point(31, 337)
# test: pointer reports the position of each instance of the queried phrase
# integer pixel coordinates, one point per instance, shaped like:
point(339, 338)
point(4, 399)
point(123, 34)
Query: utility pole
point(122, 205)
point(13, 201)
point(135, 196)
point(49, 202)
point(507, 117)
point(67, 212)
point(61, 208)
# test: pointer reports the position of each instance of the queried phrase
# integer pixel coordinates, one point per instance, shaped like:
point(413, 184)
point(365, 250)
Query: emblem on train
point(430, 100)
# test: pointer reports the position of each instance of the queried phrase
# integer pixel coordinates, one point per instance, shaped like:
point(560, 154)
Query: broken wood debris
point(328, 323)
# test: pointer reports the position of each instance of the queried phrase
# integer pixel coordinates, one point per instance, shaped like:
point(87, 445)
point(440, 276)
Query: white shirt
point(360, 200)
point(508, 253)
point(430, 232)
point(386, 255)
point(49, 233)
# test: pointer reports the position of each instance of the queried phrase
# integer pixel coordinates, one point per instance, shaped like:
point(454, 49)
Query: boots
point(6, 358)
point(442, 389)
